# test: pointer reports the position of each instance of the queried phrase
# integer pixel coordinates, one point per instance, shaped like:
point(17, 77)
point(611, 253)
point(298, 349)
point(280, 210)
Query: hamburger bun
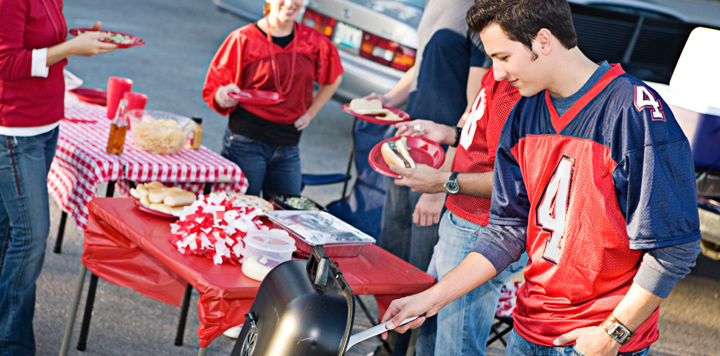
point(161, 208)
point(154, 185)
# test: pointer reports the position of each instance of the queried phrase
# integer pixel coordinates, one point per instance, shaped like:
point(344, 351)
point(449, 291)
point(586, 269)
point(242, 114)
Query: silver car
point(377, 39)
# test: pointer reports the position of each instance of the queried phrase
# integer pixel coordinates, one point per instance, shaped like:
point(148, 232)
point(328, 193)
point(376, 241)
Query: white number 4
point(645, 99)
point(553, 207)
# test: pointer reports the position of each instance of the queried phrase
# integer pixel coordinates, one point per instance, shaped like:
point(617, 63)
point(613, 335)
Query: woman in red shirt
point(279, 55)
point(33, 52)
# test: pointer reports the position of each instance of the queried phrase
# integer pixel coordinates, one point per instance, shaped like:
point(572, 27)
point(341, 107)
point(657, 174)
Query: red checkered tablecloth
point(81, 163)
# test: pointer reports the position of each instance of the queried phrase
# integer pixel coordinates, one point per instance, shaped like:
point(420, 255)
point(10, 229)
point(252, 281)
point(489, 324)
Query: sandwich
point(396, 152)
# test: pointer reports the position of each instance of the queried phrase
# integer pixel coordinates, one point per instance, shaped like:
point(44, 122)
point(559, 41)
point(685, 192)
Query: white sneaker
point(233, 332)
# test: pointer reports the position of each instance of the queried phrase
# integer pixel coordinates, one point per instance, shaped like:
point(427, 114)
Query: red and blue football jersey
point(611, 177)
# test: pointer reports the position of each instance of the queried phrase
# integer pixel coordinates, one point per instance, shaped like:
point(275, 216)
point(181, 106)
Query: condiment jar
point(197, 132)
point(118, 129)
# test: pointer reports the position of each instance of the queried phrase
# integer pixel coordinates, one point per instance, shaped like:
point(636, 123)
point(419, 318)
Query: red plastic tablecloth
point(130, 248)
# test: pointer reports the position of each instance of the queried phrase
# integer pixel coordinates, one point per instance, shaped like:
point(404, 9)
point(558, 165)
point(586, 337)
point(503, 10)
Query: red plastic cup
point(135, 100)
point(116, 88)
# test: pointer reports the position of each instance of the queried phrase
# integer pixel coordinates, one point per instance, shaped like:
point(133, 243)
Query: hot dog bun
point(154, 185)
point(395, 152)
point(161, 208)
point(367, 107)
point(145, 202)
point(179, 198)
point(158, 195)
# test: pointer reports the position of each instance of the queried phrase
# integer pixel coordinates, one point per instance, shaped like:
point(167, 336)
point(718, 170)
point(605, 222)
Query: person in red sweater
point(279, 55)
point(33, 52)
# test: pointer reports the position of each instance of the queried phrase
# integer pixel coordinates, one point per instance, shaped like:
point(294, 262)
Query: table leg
point(184, 306)
point(207, 189)
point(110, 190)
point(202, 351)
point(85, 328)
point(61, 232)
point(73, 311)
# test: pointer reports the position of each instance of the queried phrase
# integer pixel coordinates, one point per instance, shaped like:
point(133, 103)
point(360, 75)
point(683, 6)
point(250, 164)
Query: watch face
point(452, 186)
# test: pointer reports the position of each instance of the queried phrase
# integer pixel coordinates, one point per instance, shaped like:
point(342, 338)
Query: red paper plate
point(378, 119)
point(154, 212)
point(258, 97)
point(135, 41)
point(422, 151)
point(92, 96)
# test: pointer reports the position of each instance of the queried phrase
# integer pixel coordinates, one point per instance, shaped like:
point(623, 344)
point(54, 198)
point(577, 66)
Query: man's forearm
point(472, 272)
point(637, 305)
point(399, 94)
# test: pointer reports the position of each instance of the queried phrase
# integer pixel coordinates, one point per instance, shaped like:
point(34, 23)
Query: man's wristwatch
point(452, 186)
point(458, 132)
point(616, 330)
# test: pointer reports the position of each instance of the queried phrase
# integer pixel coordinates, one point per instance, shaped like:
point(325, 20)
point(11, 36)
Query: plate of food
point(119, 39)
point(156, 199)
point(407, 151)
point(252, 201)
point(295, 202)
point(374, 111)
point(257, 97)
point(91, 96)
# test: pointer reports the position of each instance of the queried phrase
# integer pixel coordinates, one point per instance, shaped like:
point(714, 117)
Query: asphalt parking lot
point(181, 36)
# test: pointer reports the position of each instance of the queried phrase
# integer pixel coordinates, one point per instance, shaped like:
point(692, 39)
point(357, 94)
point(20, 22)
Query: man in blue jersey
point(593, 178)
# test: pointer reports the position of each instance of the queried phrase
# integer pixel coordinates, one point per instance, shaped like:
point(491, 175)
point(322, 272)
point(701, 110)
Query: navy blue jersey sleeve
point(478, 57)
point(655, 175)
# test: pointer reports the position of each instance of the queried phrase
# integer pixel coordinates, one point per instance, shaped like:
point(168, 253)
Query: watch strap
point(616, 330)
point(458, 132)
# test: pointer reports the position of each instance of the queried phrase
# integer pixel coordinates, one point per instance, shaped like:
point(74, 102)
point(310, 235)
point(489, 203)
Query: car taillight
point(404, 58)
point(320, 22)
point(387, 52)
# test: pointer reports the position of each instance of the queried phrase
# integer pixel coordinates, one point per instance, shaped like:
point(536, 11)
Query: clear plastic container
point(158, 131)
point(264, 250)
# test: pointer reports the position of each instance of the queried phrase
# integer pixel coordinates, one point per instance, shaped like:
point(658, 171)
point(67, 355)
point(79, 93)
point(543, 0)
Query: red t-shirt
point(478, 143)
point(245, 59)
point(27, 101)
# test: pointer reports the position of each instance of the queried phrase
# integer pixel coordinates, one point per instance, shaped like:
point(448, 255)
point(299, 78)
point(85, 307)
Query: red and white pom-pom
point(214, 226)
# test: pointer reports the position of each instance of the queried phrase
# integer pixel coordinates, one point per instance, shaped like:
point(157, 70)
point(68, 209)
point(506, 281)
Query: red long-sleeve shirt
point(27, 101)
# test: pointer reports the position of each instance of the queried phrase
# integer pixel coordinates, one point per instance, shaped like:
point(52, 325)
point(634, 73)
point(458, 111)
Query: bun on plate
point(179, 198)
point(158, 195)
point(144, 201)
point(396, 152)
point(367, 107)
point(135, 193)
point(154, 185)
point(161, 208)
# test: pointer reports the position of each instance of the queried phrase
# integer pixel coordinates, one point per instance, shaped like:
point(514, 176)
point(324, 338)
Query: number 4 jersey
point(611, 177)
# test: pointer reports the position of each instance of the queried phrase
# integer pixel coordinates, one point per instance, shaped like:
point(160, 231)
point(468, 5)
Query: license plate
point(347, 36)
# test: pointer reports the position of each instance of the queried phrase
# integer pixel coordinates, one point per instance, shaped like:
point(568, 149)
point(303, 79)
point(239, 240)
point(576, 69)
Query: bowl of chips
point(158, 131)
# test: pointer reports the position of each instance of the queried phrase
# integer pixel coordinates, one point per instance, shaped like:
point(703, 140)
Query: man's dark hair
point(522, 19)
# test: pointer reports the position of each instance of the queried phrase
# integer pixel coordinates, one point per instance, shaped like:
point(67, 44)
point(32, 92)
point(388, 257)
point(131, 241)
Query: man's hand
point(403, 308)
point(428, 209)
point(421, 179)
point(384, 99)
point(303, 121)
point(222, 98)
point(442, 134)
point(591, 341)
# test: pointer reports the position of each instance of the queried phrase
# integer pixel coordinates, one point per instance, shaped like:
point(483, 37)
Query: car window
point(635, 11)
point(420, 4)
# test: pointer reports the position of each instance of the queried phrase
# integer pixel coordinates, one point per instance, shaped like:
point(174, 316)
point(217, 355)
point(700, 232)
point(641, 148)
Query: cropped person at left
point(33, 52)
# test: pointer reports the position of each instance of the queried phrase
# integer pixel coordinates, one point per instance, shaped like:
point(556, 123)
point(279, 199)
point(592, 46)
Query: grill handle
point(318, 267)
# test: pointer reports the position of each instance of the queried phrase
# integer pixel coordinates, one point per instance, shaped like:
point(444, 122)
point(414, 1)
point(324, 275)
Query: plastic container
point(158, 131)
point(264, 250)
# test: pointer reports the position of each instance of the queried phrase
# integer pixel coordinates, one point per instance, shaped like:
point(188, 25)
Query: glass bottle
point(118, 129)
point(196, 139)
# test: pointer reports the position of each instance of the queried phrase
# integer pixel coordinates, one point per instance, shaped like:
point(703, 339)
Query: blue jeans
point(462, 327)
point(518, 346)
point(24, 165)
point(399, 234)
point(268, 168)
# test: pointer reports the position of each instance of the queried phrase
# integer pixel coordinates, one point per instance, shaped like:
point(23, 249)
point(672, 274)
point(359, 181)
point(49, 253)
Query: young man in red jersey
point(462, 327)
point(593, 177)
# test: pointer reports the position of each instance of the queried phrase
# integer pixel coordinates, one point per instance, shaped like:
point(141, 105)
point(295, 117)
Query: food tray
point(310, 228)
point(283, 201)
